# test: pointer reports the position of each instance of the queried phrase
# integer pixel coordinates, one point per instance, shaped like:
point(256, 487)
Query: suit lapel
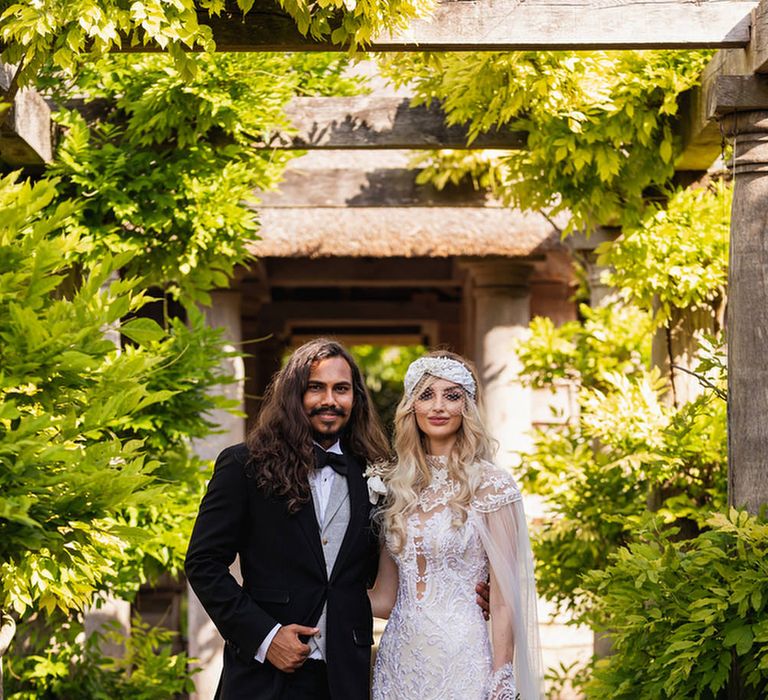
point(307, 520)
point(357, 511)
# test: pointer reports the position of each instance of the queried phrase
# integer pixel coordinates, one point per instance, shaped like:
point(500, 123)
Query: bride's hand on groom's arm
point(483, 591)
point(287, 652)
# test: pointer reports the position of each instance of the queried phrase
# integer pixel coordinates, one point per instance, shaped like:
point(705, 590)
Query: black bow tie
point(330, 459)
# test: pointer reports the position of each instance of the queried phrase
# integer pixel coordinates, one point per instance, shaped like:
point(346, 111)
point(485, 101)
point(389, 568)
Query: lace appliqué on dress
point(502, 684)
point(436, 644)
point(497, 489)
point(441, 489)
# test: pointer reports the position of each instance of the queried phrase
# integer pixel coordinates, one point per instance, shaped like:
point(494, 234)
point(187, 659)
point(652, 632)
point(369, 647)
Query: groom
point(292, 502)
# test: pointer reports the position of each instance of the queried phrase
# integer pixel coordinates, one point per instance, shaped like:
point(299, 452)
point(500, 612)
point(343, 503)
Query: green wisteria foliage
point(152, 186)
point(166, 167)
point(598, 125)
point(77, 412)
point(630, 450)
point(36, 32)
point(676, 257)
point(688, 618)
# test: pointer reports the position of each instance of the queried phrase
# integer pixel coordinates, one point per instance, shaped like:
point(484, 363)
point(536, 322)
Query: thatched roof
point(402, 231)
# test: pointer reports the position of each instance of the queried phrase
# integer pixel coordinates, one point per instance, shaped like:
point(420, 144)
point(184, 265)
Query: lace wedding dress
point(436, 645)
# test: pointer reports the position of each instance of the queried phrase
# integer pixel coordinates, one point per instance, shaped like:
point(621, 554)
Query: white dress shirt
point(321, 480)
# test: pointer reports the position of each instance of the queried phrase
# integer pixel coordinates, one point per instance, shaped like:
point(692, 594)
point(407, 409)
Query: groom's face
point(328, 398)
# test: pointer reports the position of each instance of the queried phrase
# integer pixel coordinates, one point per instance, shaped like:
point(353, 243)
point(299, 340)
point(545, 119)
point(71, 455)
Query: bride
point(451, 518)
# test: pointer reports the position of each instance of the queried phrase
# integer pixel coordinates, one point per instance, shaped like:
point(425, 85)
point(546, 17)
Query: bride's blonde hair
point(411, 474)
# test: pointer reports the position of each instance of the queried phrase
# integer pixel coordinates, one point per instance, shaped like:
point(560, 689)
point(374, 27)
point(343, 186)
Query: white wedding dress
point(436, 645)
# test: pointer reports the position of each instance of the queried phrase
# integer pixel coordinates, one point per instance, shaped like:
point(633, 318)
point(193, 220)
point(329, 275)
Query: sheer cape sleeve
point(503, 530)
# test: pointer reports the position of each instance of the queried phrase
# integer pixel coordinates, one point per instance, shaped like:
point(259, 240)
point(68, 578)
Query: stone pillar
point(205, 643)
point(747, 316)
point(109, 609)
point(224, 313)
point(7, 632)
point(500, 312)
point(583, 247)
point(600, 292)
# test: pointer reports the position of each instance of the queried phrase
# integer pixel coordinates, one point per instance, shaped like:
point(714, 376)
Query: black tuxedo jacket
point(284, 579)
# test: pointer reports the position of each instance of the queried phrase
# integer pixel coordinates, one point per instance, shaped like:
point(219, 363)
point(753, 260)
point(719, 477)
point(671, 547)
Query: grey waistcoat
point(332, 531)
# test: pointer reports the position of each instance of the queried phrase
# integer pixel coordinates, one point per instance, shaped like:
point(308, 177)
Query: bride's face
point(438, 409)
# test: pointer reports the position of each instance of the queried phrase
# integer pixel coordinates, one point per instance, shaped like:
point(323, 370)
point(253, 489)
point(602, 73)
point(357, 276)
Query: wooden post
point(747, 321)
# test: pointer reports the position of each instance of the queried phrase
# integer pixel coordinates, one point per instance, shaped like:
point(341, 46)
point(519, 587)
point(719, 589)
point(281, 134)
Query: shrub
point(684, 614)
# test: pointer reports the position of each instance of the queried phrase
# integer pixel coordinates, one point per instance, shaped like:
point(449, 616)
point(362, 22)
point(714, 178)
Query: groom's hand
point(483, 591)
point(287, 652)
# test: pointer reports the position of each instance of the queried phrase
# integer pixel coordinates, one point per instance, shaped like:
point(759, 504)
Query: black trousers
point(310, 682)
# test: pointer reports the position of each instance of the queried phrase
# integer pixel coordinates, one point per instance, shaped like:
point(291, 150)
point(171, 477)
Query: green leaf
point(142, 330)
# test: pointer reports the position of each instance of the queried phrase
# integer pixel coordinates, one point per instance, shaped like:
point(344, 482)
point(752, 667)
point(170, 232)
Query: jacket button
point(325, 540)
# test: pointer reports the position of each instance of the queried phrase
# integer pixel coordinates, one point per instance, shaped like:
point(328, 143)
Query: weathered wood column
point(205, 643)
point(499, 314)
point(747, 316)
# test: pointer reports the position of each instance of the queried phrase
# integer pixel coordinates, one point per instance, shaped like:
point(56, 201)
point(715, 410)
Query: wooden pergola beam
point(370, 121)
point(502, 25)
point(361, 272)
point(757, 49)
point(737, 93)
point(316, 313)
point(732, 82)
point(359, 186)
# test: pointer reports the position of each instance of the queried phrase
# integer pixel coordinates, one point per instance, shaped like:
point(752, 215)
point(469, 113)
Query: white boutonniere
point(376, 487)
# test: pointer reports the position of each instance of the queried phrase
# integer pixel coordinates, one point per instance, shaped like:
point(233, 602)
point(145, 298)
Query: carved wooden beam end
point(25, 125)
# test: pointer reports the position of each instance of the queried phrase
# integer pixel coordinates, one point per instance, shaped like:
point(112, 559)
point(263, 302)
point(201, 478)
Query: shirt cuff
point(261, 652)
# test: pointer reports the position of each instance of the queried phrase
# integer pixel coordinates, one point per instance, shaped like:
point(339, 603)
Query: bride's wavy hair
point(410, 474)
point(280, 443)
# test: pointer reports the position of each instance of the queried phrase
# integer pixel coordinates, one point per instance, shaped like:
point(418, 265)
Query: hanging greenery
point(36, 32)
point(598, 124)
point(151, 186)
point(166, 168)
point(677, 256)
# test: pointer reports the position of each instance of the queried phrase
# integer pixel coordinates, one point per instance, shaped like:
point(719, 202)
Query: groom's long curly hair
point(280, 442)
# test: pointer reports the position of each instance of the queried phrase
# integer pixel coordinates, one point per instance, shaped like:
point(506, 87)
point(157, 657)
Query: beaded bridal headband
point(441, 367)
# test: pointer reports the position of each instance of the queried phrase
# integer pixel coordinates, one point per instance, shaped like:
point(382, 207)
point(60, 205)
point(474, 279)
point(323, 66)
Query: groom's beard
point(328, 437)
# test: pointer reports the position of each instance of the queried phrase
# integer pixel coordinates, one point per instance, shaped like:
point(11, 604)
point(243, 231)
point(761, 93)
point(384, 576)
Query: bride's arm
point(502, 635)
point(514, 633)
point(384, 591)
point(504, 605)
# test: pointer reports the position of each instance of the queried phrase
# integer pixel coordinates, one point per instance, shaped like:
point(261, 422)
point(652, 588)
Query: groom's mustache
point(336, 410)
